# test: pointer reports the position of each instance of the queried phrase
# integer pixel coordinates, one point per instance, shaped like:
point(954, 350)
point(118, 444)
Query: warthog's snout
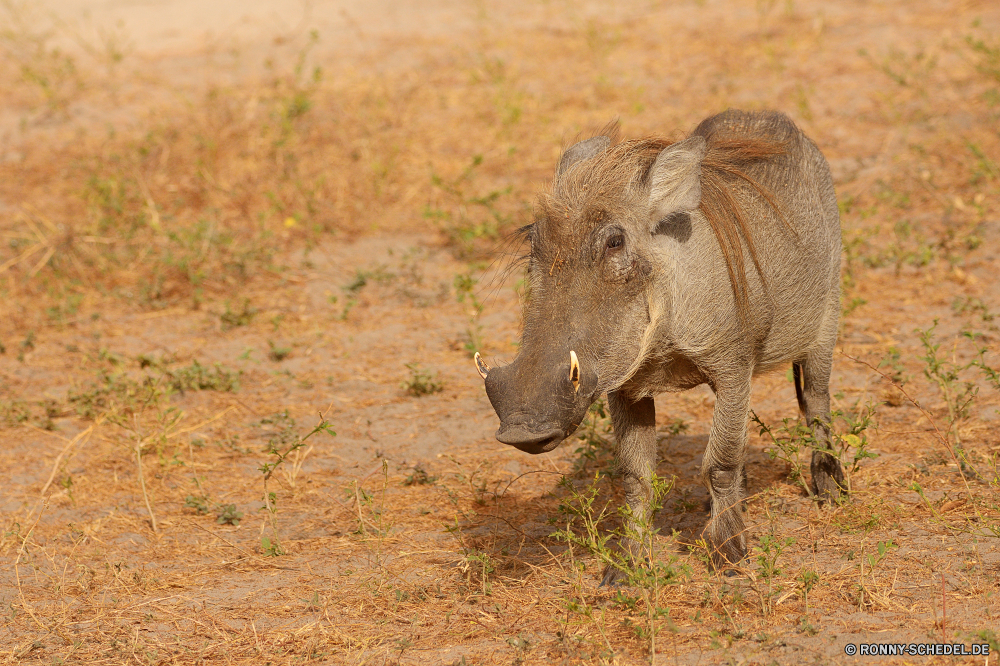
point(521, 436)
point(539, 404)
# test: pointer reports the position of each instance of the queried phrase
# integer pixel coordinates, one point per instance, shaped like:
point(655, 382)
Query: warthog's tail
point(799, 387)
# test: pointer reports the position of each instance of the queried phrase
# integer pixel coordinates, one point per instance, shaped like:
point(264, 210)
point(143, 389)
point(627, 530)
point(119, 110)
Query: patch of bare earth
point(216, 257)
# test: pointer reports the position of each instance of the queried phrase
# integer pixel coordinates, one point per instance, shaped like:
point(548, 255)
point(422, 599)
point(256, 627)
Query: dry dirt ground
point(230, 233)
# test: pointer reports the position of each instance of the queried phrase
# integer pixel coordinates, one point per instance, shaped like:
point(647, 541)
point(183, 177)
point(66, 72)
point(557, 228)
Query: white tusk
point(574, 370)
point(481, 366)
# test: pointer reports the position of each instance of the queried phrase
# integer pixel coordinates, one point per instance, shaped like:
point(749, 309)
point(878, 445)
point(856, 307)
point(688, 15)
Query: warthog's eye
point(615, 242)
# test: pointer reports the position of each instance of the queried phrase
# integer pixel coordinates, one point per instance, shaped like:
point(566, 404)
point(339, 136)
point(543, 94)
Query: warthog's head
point(591, 263)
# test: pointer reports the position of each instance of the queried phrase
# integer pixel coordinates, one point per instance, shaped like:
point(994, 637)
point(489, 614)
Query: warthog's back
point(780, 185)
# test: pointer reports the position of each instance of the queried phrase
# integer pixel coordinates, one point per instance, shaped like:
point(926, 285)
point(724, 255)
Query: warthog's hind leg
point(812, 388)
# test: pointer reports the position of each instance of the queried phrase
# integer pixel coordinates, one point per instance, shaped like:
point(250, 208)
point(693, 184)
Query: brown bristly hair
point(727, 161)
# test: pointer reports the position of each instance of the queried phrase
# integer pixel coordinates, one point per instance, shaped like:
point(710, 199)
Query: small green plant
point(371, 515)
point(849, 442)
point(958, 392)
point(421, 382)
point(882, 549)
point(991, 374)
point(361, 498)
point(971, 305)
point(787, 445)
point(468, 219)
point(226, 514)
point(986, 636)
point(853, 438)
point(281, 449)
point(116, 392)
point(270, 547)
point(197, 502)
point(907, 70)
point(768, 552)
point(896, 370)
point(277, 353)
point(66, 483)
point(676, 427)
point(465, 293)
point(197, 377)
point(852, 305)
point(242, 317)
point(419, 477)
point(481, 565)
point(14, 412)
point(636, 560)
point(361, 279)
point(808, 578)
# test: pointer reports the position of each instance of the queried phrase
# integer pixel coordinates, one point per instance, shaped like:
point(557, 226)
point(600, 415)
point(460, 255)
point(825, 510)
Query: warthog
point(658, 266)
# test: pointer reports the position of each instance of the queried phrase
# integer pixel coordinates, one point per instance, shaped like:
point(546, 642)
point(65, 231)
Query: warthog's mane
point(736, 143)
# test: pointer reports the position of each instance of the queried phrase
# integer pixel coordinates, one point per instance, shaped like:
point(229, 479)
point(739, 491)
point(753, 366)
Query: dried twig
point(81, 436)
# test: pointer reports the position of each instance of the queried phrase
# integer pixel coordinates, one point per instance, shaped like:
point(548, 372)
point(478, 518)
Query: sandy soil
point(177, 139)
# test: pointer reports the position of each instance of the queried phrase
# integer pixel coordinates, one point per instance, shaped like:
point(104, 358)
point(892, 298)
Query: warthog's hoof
point(827, 478)
point(736, 570)
point(729, 560)
point(615, 577)
point(612, 577)
point(828, 490)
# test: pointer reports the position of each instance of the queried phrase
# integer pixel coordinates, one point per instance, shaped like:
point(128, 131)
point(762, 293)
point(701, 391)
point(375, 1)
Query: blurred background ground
point(221, 221)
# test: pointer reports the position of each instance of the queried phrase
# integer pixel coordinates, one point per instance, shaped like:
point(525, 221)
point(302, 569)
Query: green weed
point(421, 382)
point(14, 412)
point(285, 447)
point(893, 363)
point(276, 353)
point(199, 503)
point(808, 578)
point(853, 305)
point(849, 442)
point(768, 552)
point(468, 219)
point(645, 570)
point(958, 392)
point(242, 317)
point(117, 392)
point(361, 279)
point(226, 514)
point(989, 636)
point(972, 305)
point(906, 70)
point(988, 55)
point(465, 293)
point(867, 596)
point(419, 477)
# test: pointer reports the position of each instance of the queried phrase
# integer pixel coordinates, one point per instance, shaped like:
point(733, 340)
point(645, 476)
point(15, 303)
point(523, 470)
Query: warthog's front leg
point(635, 429)
point(723, 471)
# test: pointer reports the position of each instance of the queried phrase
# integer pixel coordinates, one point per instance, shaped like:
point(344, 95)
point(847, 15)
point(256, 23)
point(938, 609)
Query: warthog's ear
point(578, 152)
point(675, 179)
